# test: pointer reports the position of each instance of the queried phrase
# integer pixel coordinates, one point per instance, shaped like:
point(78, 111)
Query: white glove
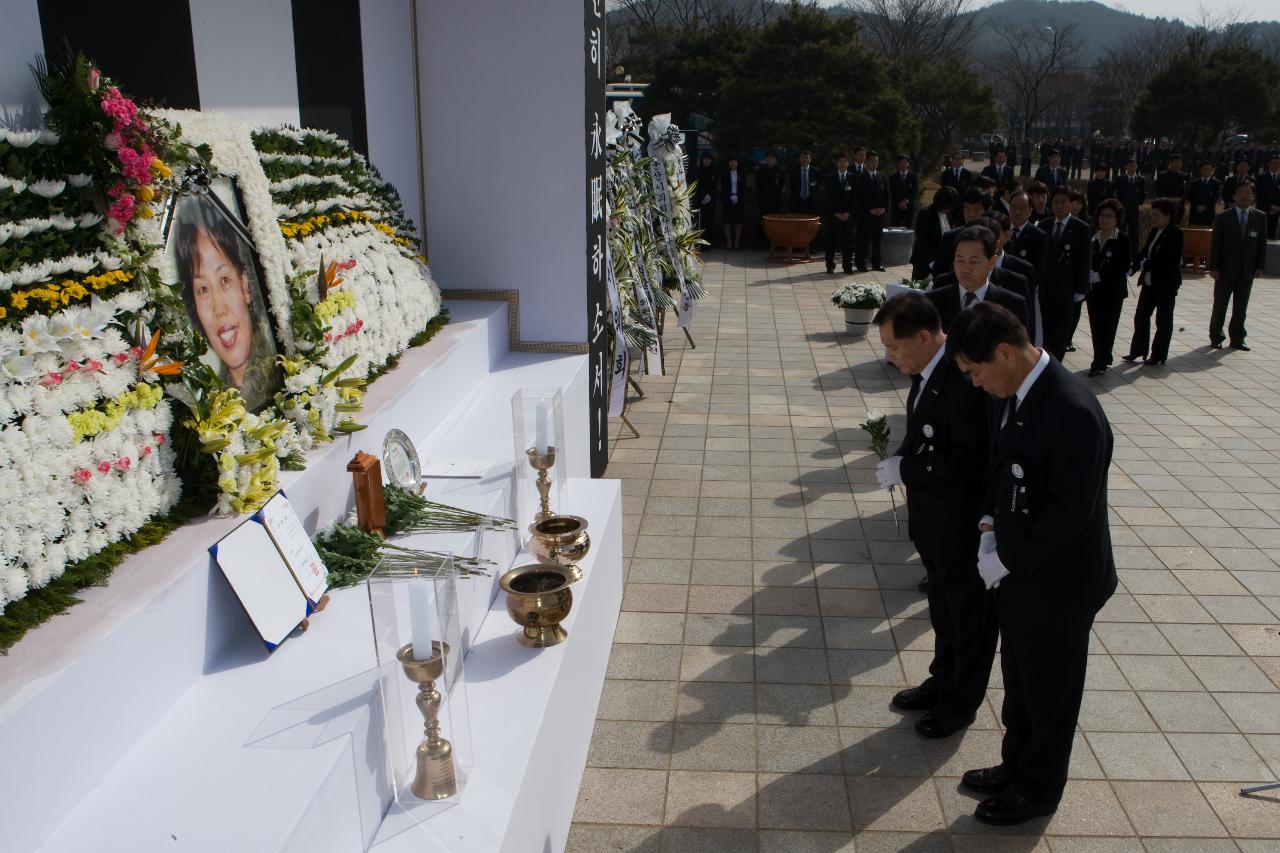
point(1095, 278)
point(733, 199)
point(706, 200)
point(889, 472)
point(989, 565)
point(1079, 297)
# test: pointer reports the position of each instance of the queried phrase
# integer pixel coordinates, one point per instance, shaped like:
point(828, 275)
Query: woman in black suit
point(931, 222)
point(705, 194)
point(733, 194)
point(1108, 282)
point(1160, 265)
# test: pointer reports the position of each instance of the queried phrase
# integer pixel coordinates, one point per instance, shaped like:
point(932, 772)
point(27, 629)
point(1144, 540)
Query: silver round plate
point(400, 460)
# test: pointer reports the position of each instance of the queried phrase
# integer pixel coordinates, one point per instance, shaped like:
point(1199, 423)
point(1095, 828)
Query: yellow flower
point(145, 193)
point(159, 168)
point(145, 211)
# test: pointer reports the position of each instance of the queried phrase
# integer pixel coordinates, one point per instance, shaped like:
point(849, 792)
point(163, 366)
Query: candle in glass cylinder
point(542, 427)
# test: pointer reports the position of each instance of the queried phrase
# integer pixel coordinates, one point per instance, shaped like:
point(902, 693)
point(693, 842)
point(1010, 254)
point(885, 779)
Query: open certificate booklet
point(299, 553)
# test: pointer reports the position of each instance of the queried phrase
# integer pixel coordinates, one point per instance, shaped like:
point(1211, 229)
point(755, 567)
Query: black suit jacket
point(1004, 277)
point(1172, 184)
point(839, 197)
point(798, 204)
point(900, 188)
point(944, 257)
point(947, 298)
point(726, 189)
point(959, 181)
point(928, 232)
point(1031, 245)
point(1048, 496)
point(770, 183)
point(1163, 260)
point(944, 459)
point(874, 192)
point(1111, 261)
point(1050, 177)
point(1238, 257)
point(990, 171)
point(1268, 192)
point(1131, 194)
point(1066, 268)
point(1011, 266)
point(1206, 193)
point(1098, 190)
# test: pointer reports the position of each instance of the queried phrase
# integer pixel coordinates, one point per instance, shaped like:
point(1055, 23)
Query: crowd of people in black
point(1062, 249)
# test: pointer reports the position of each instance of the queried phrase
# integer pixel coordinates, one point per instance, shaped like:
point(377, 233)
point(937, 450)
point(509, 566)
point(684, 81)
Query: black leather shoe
point(915, 699)
point(1242, 346)
point(862, 269)
point(1216, 344)
point(1097, 371)
point(831, 270)
point(879, 268)
point(848, 270)
point(939, 727)
point(1153, 362)
point(1133, 356)
point(1071, 347)
point(1009, 808)
point(988, 780)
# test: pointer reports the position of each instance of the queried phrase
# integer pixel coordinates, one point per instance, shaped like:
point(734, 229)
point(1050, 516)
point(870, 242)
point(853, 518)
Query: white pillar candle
point(420, 607)
point(542, 427)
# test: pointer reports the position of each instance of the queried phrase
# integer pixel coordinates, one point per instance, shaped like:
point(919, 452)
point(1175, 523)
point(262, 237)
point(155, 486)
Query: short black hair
point(1076, 195)
point(1013, 185)
point(1245, 182)
point(1000, 150)
point(973, 233)
point(198, 215)
point(982, 182)
point(858, 148)
point(977, 331)
point(1061, 189)
point(1055, 153)
point(902, 157)
point(1000, 219)
point(804, 151)
point(944, 198)
point(1167, 206)
point(910, 313)
point(840, 155)
point(1173, 157)
point(973, 195)
point(1038, 188)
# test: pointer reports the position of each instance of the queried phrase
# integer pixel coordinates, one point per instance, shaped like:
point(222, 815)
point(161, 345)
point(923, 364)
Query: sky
point(1187, 10)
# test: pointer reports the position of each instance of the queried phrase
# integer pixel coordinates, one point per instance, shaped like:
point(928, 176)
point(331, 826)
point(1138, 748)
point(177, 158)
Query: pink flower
point(160, 438)
point(93, 366)
point(124, 463)
point(82, 476)
point(120, 358)
point(51, 379)
point(112, 141)
point(95, 79)
point(348, 264)
point(122, 209)
point(146, 451)
point(104, 467)
point(72, 366)
point(136, 352)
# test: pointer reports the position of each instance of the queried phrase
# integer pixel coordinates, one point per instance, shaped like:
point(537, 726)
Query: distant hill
point(1097, 25)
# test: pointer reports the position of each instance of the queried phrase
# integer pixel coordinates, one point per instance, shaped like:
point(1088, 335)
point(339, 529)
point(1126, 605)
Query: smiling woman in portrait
point(224, 299)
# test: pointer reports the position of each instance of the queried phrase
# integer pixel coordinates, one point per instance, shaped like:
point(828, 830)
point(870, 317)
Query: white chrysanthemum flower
point(46, 188)
point(80, 180)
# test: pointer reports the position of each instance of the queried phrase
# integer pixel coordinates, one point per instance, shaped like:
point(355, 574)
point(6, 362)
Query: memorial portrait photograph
point(217, 266)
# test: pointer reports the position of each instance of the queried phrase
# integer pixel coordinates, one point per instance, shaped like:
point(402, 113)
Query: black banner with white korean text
point(598, 320)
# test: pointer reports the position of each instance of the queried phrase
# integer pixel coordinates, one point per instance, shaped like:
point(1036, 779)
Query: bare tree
point(1123, 71)
point(1033, 63)
point(914, 30)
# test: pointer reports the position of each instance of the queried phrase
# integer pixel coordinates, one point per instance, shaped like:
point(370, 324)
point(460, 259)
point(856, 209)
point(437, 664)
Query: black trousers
point(1237, 294)
point(707, 219)
point(1059, 321)
point(1273, 221)
point(1160, 301)
point(804, 205)
point(1105, 304)
point(839, 237)
point(1076, 310)
point(870, 234)
point(1043, 659)
point(902, 218)
point(1194, 218)
point(963, 616)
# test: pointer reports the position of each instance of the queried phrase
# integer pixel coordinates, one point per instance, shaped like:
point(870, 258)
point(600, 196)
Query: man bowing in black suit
point(1065, 280)
point(942, 463)
point(975, 258)
point(1045, 549)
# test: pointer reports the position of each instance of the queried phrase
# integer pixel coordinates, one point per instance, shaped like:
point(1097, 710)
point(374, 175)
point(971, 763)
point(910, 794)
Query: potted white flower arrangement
point(907, 285)
point(860, 302)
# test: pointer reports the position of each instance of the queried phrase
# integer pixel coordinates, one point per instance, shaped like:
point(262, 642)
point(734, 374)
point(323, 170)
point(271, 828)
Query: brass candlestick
point(435, 778)
point(542, 463)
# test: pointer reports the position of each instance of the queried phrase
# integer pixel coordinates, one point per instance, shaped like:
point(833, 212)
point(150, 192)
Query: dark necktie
point(915, 392)
point(1244, 222)
point(804, 183)
point(969, 299)
point(1057, 232)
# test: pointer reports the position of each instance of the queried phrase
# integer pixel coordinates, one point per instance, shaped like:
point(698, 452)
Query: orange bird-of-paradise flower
point(149, 364)
point(331, 276)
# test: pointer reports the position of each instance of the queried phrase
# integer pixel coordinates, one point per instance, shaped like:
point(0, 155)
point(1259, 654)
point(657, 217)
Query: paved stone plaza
point(771, 608)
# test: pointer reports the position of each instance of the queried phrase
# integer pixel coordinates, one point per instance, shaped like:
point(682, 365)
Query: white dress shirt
point(980, 293)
